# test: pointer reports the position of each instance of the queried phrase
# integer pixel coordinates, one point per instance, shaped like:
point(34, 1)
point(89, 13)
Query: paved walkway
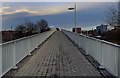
point(58, 57)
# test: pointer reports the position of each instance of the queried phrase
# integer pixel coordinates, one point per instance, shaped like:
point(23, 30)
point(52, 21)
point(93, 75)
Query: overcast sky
point(89, 14)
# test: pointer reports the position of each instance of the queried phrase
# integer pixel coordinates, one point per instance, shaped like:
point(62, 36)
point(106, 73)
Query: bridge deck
point(57, 57)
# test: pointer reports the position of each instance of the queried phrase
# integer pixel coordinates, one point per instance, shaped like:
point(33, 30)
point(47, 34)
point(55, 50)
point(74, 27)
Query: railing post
point(101, 65)
point(14, 56)
point(0, 44)
point(119, 63)
point(0, 61)
point(86, 46)
point(29, 46)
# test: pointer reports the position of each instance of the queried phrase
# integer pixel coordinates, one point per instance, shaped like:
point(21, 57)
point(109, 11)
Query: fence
point(14, 51)
point(105, 53)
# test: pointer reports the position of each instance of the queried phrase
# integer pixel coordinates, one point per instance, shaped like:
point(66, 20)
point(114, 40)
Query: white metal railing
point(13, 52)
point(105, 53)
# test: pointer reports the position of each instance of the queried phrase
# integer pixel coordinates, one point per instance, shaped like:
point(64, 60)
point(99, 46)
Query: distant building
point(104, 28)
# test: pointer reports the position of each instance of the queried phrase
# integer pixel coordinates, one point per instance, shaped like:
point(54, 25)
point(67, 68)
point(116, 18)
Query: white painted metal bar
point(119, 63)
point(14, 56)
point(105, 53)
point(0, 60)
point(13, 52)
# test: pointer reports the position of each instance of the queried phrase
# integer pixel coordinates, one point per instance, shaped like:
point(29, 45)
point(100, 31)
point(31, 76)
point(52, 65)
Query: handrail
point(14, 51)
point(107, 54)
point(103, 41)
point(22, 38)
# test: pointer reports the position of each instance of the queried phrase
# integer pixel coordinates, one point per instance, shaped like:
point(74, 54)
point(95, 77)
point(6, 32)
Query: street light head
point(71, 8)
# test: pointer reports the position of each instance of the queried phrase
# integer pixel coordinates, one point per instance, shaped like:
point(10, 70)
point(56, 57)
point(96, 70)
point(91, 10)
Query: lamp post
point(74, 14)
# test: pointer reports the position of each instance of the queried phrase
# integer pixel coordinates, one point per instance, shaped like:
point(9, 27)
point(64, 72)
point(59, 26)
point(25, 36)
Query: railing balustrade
point(105, 53)
point(13, 52)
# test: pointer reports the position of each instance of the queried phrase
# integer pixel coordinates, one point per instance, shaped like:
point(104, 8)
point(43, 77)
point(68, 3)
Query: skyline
point(89, 14)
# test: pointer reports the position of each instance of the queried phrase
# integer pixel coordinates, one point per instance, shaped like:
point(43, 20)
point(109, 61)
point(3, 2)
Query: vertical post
point(29, 46)
point(119, 48)
point(86, 45)
point(75, 16)
point(14, 56)
point(0, 61)
point(101, 47)
point(75, 10)
point(1, 43)
point(119, 63)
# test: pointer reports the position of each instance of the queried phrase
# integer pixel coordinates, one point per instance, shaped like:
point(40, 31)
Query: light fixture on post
point(74, 8)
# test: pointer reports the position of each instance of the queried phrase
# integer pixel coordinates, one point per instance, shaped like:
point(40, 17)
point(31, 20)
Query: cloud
point(3, 8)
point(43, 10)
point(31, 12)
point(18, 11)
point(47, 9)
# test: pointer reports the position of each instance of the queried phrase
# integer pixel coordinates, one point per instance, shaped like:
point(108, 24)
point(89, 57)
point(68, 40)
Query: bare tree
point(42, 24)
point(113, 19)
point(26, 29)
point(112, 15)
point(30, 27)
point(21, 28)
